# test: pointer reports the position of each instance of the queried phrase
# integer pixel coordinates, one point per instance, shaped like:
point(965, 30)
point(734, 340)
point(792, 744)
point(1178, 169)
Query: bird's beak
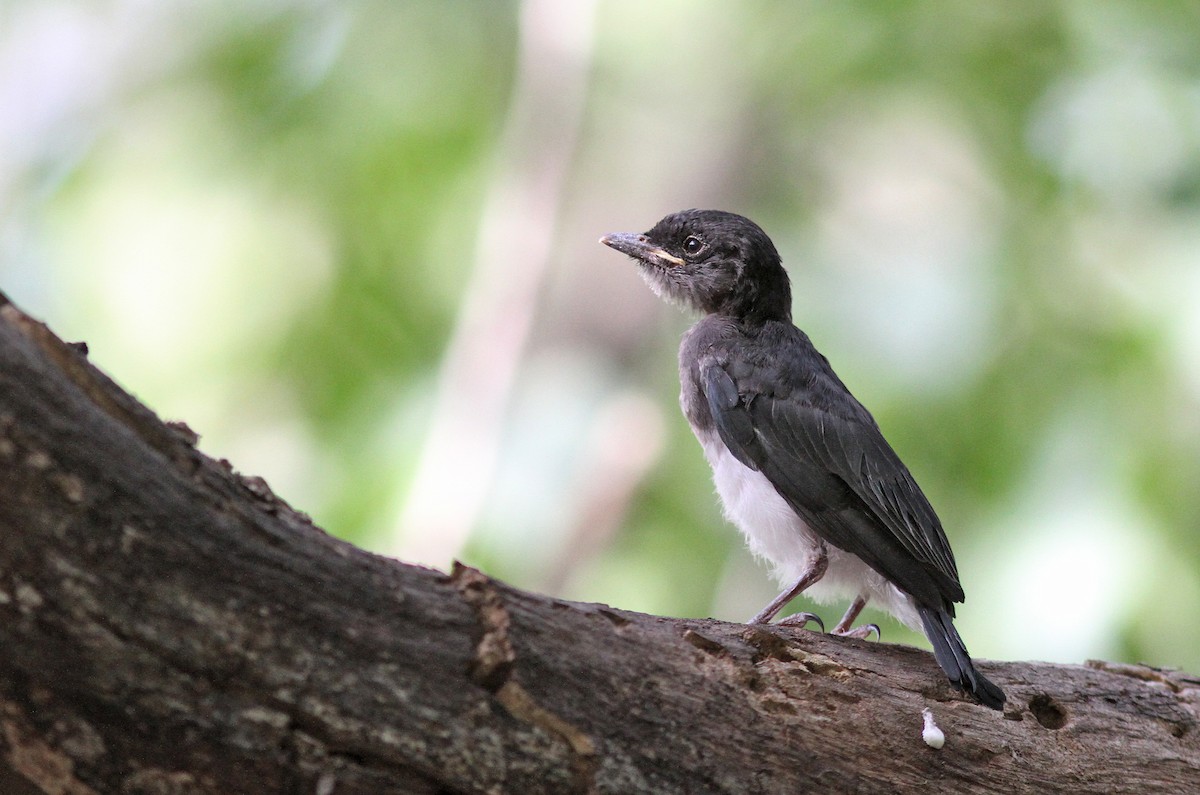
point(640, 247)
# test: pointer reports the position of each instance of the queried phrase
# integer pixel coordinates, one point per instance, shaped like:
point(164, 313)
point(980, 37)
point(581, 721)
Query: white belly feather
point(777, 535)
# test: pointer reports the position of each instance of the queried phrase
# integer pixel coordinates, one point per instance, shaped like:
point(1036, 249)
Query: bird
point(801, 467)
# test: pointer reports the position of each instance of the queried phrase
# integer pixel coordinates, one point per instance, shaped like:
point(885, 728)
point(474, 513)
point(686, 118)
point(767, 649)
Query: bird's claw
point(800, 619)
point(862, 633)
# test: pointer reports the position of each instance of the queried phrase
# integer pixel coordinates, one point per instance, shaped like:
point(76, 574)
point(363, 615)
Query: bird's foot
point(801, 619)
point(862, 633)
point(843, 628)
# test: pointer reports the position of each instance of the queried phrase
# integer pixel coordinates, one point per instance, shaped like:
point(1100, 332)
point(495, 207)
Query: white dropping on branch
point(931, 734)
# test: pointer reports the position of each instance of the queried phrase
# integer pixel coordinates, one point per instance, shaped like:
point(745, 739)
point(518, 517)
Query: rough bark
point(168, 626)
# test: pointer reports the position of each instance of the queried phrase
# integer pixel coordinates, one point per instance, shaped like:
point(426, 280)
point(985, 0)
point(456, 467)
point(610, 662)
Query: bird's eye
point(692, 245)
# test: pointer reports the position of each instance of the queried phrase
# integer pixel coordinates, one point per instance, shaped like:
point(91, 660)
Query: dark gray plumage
point(801, 466)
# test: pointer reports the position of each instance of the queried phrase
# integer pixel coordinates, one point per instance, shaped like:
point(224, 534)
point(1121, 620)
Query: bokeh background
point(353, 245)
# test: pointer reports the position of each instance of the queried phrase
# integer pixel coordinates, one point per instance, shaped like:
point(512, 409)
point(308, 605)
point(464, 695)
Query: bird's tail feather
point(951, 654)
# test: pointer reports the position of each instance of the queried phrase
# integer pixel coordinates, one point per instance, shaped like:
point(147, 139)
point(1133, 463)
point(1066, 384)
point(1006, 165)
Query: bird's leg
point(843, 626)
point(815, 571)
point(852, 612)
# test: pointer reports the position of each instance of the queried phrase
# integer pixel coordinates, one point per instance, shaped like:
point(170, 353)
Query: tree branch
point(167, 625)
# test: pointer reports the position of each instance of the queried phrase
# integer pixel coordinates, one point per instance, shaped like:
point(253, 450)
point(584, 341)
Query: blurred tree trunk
point(169, 626)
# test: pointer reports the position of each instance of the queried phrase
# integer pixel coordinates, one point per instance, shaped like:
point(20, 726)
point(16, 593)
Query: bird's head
point(713, 261)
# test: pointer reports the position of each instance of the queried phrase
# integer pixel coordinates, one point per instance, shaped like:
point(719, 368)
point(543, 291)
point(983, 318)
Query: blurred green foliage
point(271, 220)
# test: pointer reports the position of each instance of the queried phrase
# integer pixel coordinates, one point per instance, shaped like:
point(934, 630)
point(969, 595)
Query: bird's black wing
point(833, 466)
